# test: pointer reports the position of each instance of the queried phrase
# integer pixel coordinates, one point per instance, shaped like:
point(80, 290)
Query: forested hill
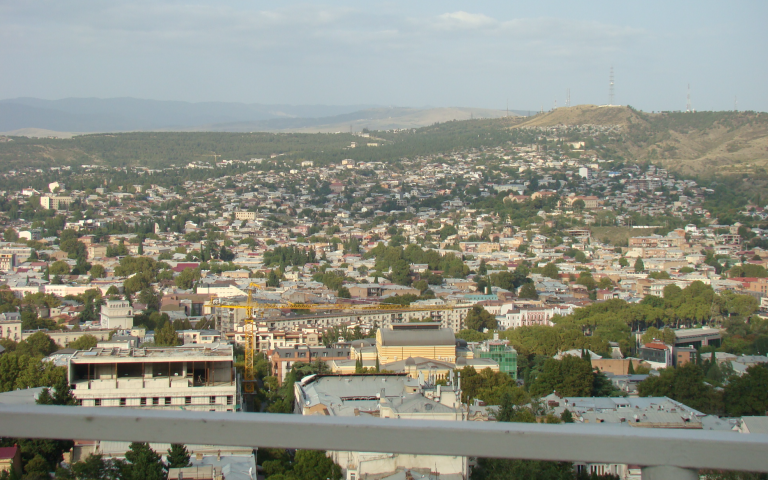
point(698, 143)
point(162, 149)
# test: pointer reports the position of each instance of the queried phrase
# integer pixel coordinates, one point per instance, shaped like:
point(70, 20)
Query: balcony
point(664, 453)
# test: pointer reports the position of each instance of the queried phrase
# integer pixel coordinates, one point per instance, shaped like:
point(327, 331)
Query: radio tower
point(735, 104)
point(688, 104)
point(610, 88)
point(568, 98)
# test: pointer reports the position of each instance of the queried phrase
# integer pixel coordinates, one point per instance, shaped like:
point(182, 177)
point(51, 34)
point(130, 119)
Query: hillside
point(584, 115)
point(694, 143)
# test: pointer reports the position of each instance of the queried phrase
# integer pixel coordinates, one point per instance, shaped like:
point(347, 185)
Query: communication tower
point(735, 103)
point(610, 88)
point(688, 104)
point(568, 97)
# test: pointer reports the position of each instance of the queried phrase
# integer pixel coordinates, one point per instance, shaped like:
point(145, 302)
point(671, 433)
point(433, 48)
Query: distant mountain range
point(32, 116)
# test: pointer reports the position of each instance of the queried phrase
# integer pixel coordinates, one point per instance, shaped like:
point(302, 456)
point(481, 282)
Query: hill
point(584, 115)
point(703, 144)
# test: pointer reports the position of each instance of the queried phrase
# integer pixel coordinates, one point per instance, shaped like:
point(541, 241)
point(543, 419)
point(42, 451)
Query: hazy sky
point(403, 53)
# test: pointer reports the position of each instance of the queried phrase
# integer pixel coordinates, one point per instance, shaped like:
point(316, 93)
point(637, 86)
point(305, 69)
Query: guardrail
point(668, 453)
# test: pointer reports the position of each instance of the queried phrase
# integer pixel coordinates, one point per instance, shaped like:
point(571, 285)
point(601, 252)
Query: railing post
point(669, 473)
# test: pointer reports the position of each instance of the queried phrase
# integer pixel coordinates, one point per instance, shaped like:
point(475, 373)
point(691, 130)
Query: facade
point(240, 215)
point(197, 378)
point(11, 329)
point(55, 202)
point(385, 396)
point(282, 359)
point(7, 261)
point(426, 340)
point(500, 352)
point(65, 337)
point(117, 314)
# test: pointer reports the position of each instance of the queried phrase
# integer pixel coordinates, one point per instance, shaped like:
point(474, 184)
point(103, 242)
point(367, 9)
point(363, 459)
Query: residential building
point(117, 314)
point(190, 377)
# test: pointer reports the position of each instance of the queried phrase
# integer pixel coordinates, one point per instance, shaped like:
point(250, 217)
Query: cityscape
point(299, 289)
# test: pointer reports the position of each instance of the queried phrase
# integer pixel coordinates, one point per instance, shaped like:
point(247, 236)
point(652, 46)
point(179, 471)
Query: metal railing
point(664, 453)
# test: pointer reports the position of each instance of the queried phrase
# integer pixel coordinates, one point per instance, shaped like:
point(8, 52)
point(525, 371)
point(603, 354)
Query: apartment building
point(190, 377)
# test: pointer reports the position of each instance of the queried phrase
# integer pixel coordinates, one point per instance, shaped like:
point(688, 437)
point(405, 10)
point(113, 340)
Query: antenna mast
point(688, 104)
point(610, 88)
point(568, 97)
point(735, 103)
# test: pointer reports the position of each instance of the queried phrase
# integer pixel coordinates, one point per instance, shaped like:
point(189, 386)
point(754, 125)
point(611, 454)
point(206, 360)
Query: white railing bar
point(684, 448)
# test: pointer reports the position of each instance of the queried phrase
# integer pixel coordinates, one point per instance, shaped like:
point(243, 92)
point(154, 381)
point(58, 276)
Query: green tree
point(314, 465)
point(144, 463)
point(550, 270)
point(59, 267)
point(166, 336)
point(639, 265)
point(684, 384)
point(39, 344)
point(528, 291)
point(98, 271)
point(479, 319)
point(178, 456)
point(748, 394)
point(569, 377)
point(273, 280)
point(85, 342)
point(623, 262)
point(187, 278)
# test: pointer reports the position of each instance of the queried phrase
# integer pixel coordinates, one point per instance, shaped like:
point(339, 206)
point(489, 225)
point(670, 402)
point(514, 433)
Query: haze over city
point(390, 53)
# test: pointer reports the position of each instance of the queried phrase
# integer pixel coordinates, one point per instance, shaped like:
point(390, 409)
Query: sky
point(415, 53)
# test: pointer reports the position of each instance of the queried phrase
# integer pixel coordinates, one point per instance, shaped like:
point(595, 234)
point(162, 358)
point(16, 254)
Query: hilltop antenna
point(555, 104)
point(568, 97)
point(507, 106)
point(735, 103)
point(610, 88)
point(688, 104)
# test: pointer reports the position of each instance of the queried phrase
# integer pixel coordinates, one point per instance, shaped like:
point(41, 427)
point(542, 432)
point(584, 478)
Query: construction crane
point(214, 157)
point(251, 307)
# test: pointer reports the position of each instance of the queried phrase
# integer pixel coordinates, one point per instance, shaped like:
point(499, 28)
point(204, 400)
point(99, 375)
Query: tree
point(178, 456)
point(145, 463)
point(667, 335)
point(479, 319)
point(98, 271)
point(166, 336)
point(343, 292)
point(551, 271)
point(59, 267)
point(528, 291)
point(748, 394)
point(569, 377)
point(623, 262)
point(10, 235)
point(684, 384)
point(639, 265)
point(566, 416)
point(313, 465)
point(273, 280)
point(84, 342)
point(39, 344)
point(187, 278)
point(113, 290)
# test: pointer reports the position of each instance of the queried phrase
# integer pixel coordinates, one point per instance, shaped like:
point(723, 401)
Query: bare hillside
point(584, 115)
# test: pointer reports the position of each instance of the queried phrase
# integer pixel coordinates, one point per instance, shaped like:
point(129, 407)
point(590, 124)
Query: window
point(143, 401)
point(229, 400)
point(97, 402)
point(122, 402)
point(212, 400)
point(156, 401)
point(167, 400)
point(187, 400)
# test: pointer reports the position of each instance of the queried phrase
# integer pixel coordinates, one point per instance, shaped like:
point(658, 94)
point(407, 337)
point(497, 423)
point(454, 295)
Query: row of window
point(143, 401)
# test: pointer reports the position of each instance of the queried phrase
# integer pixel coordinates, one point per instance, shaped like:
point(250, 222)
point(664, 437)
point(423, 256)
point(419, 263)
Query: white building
point(192, 377)
point(117, 314)
point(384, 396)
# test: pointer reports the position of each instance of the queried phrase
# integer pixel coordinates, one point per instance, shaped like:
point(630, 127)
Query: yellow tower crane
point(250, 307)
